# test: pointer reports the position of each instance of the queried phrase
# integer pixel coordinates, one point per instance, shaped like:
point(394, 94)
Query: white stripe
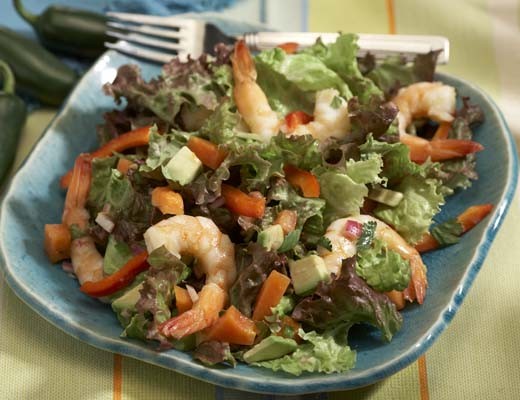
point(506, 38)
point(285, 15)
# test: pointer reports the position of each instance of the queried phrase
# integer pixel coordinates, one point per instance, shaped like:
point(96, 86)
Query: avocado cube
point(307, 272)
point(271, 238)
point(124, 306)
point(183, 167)
point(388, 197)
point(270, 348)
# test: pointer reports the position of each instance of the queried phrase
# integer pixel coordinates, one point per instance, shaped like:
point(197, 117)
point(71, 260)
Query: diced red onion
point(136, 248)
point(353, 229)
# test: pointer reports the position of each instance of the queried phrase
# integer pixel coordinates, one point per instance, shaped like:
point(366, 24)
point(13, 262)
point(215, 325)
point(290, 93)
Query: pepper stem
point(26, 15)
point(8, 77)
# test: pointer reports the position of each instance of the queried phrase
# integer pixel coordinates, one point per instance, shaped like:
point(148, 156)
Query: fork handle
point(380, 46)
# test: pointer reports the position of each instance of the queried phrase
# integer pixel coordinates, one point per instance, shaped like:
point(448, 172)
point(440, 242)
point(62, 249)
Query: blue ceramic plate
point(34, 199)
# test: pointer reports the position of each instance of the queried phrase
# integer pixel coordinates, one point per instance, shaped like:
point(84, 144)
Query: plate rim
point(282, 385)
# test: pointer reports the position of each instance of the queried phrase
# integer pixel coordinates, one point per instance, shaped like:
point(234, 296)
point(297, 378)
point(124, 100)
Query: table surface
point(477, 357)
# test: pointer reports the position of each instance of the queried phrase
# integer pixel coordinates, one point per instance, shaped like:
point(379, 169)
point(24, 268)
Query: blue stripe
point(263, 11)
point(305, 15)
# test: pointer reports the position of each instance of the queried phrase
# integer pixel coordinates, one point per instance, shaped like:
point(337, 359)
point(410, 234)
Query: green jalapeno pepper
point(68, 30)
point(12, 118)
point(37, 71)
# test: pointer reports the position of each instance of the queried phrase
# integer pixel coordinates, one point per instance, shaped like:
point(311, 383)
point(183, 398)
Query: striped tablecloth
point(478, 357)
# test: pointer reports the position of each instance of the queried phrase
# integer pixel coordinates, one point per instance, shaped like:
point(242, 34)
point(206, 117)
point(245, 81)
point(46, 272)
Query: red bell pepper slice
point(289, 47)
point(208, 153)
point(468, 219)
point(296, 118)
point(118, 280)
point(137, 137)
point(306, 181)
point(241, 203)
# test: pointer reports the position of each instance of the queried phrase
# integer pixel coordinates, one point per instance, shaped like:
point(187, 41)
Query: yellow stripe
point(391, 16)
point(117, 377)
point(423, 378)
point(347, 16)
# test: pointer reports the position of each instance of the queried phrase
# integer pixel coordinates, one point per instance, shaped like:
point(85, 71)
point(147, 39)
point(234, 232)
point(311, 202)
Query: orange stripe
point(390, 12)
point(117, 377)
point(423, 378)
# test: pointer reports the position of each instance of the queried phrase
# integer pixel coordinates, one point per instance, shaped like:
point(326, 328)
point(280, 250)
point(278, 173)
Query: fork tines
point(155, 38)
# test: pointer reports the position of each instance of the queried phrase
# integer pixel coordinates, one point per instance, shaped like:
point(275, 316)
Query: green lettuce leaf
point(197, 82)
point(382, 268)
point(459, 173)
point(319, 353)
point(137, 327)
point(117, 254)
point(161, 149)
point(289, 199)
point(412, 217)
point(301, 151)
point(109, 186)
point(448, 232)
point(193, 87)
point(368, 232)
point(348, 299)
point(220, 126)
point(341, 57)
point(396, 159)
point(344, 189)
point(394, 72)
point(126, 197)
point(290, 81)
point(156, 296)
point(284, 307)
point(161, 258)
point(366, 170)
point(343, 195)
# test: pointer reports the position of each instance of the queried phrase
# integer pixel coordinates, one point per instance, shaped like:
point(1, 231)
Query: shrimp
point(328, 121)
point(251, 101)
point(87, 263)
point(215, 255)
point(437, 102)
point(343, 248)
point(253, 105)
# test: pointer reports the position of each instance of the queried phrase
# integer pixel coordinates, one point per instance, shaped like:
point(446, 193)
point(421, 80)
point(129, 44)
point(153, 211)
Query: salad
point(253, 208)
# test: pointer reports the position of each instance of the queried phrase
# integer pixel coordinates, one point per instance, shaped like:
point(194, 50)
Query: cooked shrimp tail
point(343, 247)
point(438, 150)
point(204, 313)
point(436, 101)
point(87, 263)
point(215, 255)
point(416, 289)
point(433, 100)
point(77, 194)
point(243, 65)
point(251, 101)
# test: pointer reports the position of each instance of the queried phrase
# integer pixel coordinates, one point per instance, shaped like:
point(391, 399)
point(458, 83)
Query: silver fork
point(159, 39)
